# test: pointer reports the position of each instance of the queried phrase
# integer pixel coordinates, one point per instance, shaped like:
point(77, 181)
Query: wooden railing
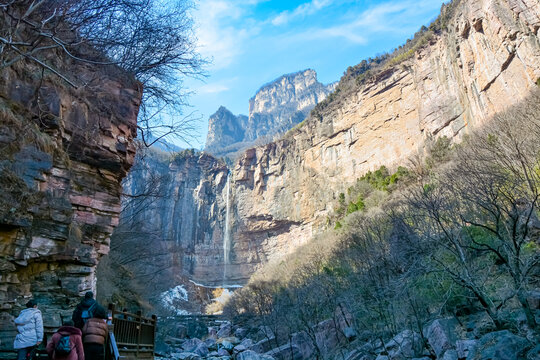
point(133, 335)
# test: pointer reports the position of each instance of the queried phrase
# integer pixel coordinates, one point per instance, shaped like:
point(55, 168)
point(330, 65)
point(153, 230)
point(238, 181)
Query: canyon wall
point(63, 153)
point(486, 59)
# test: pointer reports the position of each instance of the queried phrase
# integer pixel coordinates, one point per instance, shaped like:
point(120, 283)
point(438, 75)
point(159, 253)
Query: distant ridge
point(274, 109)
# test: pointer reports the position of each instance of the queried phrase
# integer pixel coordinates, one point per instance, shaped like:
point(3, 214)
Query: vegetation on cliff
point(460, 236)
point(381, 66)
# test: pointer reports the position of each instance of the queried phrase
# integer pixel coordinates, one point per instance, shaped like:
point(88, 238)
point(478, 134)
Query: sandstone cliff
point(487, 59)
point(63, 154)
point(275, 108)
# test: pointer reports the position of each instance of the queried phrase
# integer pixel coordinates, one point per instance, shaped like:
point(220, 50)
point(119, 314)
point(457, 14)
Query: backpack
point(62, 347)
point(88, 313)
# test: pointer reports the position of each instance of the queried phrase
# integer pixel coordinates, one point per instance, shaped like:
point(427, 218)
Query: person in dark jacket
point(30, 331)
point(90, 305)
point(95, 332)
point(75, 343)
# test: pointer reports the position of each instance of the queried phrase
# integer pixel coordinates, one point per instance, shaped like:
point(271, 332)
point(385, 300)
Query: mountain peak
point(275, 108)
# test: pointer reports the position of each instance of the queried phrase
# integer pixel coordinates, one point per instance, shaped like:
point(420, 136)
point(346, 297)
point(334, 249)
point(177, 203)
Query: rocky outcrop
point(226, 132)
point(280, 194)
point(487, 60)
point(275, 108)
point(63, 154)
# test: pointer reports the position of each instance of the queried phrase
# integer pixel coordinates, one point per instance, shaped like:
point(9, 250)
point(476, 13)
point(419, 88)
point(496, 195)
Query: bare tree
point(151, 39)
point(477, 219)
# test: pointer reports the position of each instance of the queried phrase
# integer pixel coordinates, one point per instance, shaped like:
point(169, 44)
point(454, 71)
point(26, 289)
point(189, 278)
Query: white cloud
point(392, 16)
point(305, 9)
point(219, 30)
point(212, 89)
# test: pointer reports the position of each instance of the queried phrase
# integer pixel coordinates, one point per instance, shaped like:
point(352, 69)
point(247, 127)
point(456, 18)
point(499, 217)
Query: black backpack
point(62, 347)
point(88, 313)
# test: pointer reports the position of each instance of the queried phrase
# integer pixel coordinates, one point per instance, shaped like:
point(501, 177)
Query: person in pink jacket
point(75, 343)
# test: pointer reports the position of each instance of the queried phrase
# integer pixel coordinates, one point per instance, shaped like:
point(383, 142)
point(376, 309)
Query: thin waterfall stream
point(226, 231)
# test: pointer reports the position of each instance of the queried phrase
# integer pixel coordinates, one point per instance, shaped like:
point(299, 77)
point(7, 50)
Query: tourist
point(30, 331)
point(95, 332)
point(72, 349)
point(86, 310)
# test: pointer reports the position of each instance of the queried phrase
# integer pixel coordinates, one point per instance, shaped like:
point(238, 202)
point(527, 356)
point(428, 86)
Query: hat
point(89, 295)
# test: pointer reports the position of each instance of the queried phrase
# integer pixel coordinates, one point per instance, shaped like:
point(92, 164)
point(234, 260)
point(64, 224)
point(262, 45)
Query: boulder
point(405, 345)
point(247, 343)
point(450, 355)
point(533, 298)
point(258, 348)
point(191, 344)
point(185, 356)
point(251, 355)
point(223, 352)
point(230, 339)
point(225, 330)
point(173, 340)
point(266, 332)
point(227, 345)
point(210, 343)
point(240, 333)
point(264, 345)
point(239, 348)
point(328, 337)
point(480, 324)
point(359, 355)
point(201, 350)
point(343, 317)
point(442, 335)
point(464, 347)
point(500, 345)
point(286, 352)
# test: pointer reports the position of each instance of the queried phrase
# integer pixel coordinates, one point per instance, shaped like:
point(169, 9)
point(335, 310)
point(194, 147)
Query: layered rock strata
point(281, 193)
point(275, 108)
point(63, 153)
point(487, 60)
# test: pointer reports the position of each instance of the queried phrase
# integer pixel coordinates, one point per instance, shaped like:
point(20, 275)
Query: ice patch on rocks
point(171, 297)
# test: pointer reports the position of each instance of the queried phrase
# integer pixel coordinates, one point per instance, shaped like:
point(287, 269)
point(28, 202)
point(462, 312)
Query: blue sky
point(252, 42)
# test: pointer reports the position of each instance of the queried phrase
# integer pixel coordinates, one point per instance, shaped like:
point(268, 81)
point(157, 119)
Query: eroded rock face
point(63, 154)
point(275, 108)
point(281, 193)
point(488, 60)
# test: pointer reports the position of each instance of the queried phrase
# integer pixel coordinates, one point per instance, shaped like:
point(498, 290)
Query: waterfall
point(226, 231)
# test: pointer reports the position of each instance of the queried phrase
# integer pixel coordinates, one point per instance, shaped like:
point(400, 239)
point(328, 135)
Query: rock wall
point(63, 154)
point(188, 212)
point(281, 193)
point(487, 60)
point(275, 108)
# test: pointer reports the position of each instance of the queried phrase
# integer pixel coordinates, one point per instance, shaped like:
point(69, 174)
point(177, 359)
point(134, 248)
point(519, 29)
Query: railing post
point(139, 330)
point(154, 319)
